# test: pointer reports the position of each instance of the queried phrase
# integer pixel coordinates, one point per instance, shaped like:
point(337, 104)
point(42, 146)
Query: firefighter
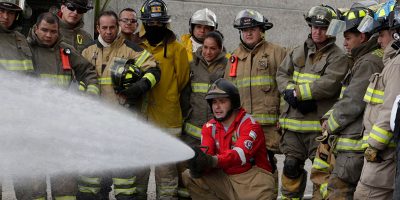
point(61, 64)
point(201, 22)
point(15, 54)
point(109, 50)
point(252, 67)
point(163, 106)
point(129, 24)
point(344, 119)
point(309, 80)
point(71, 23)
point(207, 66)
point(378, 172)
point(232, 163)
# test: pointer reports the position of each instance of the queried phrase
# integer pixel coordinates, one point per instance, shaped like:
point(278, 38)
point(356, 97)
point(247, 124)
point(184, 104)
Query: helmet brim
point(216, 95)
point(10, 6)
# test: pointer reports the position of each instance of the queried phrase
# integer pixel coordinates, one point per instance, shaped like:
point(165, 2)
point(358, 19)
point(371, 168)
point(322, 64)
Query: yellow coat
point(187, 43)
point(163, 100)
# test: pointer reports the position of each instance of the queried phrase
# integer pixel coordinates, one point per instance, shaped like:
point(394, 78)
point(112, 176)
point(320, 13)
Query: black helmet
point(250, 18)
point(223, 88)
point(83, 5)
point(394, 18)
point(124, 72)
point(354, 16)
point(11, 5)
point(154, 10)
point(320, 16)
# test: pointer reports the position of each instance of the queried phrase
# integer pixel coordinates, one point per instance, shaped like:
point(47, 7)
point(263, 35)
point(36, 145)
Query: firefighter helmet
point(223, 88)
point(83, 5)
point(12, 5)
point(320, 16)
point(154, 10)
point(250, 18)
point(124, 73)
point(394, 18)
point(203, 17)
point(380, 21)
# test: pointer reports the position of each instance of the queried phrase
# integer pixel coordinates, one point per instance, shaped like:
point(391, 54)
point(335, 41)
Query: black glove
point(306, 106)
point(136, 90)
point(200, 163)
point(289, 97)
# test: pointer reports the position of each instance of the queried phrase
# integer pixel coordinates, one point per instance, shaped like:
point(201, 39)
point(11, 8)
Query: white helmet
point(204, 17)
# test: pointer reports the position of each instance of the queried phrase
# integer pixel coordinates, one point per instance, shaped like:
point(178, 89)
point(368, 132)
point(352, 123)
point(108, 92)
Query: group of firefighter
point(236, 110)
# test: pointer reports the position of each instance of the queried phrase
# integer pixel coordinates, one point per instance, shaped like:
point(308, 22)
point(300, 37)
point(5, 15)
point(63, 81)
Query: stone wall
point(289, 28)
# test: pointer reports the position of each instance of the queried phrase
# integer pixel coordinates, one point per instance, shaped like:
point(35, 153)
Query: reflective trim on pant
point(40, 198)
point(89, 184)
point(66, 198)
point(86, 189)
point(323, 189)
point(320, 164)
point(300, 125)
point(124, 186)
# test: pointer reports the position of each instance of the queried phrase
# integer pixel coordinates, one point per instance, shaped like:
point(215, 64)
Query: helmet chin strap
point(247, 46)
point(228, 114)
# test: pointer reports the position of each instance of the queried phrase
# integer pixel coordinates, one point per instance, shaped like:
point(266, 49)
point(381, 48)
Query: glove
point(136, 90)
point(306, 106)
point(289, 97)
point(323, 138)
point(201, 162)
point(371, 155)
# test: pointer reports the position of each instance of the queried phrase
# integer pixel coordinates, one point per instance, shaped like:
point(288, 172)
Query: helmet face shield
point(335, 27)
point(124, 72)
point(367, 24)
point(394, 18)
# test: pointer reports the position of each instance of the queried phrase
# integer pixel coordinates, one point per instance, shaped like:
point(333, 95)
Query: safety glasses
point(128, 21)
point(72, 8)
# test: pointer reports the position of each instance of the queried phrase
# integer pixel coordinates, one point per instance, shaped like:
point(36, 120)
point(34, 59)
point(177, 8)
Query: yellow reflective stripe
point(167, 190)
point(79, 39)
point(265, 118)
point(378, 52)
point(183, 192)
point(40, 198)
point(91, 190)
point(125, 191)
point(342, 91)
point(347, 144)
point(320, 164)
point(374, 96)
point(329, 112)
point(304, 77)
point(255, 81)
point(82, 86)
point(332, 123)
point(200, 87)
point(380, 135)
point(290, 86)
point(66, 198)
point(142, 58)
point(90, 180)
point(105, 81)
point(323, 189)
point(17, 65)
point(299, 125)
point(93, 89)
point(63, 80)
point(193, 130)
point(305, 92)
point(151, 78)
point(283, 197)
point(124, 181)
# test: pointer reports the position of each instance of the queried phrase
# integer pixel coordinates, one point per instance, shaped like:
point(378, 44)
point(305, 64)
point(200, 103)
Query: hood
point(311, 45)
point(64, 25)
point(5, 30)
point(365, 48)
point(33, 40)
point(199, 56)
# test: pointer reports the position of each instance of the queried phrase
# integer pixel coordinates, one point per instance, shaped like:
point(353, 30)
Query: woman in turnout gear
point(207, 66)
point(343, 122)
point(201, 22)
point(232, 162)
point(252, 68)
point(378, 172)
point(162, 102)
point(309, 80)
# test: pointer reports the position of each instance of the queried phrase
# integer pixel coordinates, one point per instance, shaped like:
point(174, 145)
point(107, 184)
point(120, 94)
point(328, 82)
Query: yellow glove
point(371, 155)
point(323, 138)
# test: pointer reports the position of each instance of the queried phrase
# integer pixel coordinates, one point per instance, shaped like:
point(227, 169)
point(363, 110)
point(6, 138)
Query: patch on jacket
point(253, 135)
point(208, 125)
point(248, 144)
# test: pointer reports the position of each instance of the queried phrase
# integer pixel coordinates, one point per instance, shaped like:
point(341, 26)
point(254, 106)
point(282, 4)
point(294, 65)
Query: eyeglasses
point(128, 21)
point(72, 8)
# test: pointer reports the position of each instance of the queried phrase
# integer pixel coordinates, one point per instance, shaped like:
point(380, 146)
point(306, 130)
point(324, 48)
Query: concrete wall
point(289, 28)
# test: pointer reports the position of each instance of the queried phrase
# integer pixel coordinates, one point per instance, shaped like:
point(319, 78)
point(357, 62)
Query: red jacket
point(236, 148)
